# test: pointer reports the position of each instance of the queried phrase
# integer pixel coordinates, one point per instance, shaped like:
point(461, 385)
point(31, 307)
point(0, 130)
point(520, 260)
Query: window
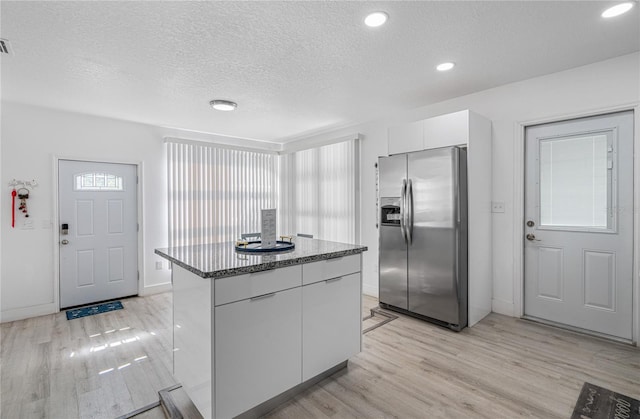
point(576, 182)
point(98, 182)
point(216, 194)
point(319, 192)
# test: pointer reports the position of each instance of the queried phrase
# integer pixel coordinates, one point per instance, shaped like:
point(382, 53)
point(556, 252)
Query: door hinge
point(137, 226)
point(138, 275)
point(136, 180)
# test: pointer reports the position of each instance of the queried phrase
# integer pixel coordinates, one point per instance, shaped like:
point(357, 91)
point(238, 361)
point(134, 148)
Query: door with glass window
point(98, 231)
point(579, 224)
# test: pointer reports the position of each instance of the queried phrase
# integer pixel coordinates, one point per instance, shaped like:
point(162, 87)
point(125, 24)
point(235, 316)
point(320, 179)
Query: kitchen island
point(252, 330)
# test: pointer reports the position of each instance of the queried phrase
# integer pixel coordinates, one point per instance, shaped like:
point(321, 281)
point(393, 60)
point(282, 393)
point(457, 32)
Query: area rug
point(599, 403)
point(76, 313)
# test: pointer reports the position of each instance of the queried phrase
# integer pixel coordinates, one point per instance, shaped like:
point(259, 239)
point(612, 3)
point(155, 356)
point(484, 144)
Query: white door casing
point(579, 197)
point(99, 255)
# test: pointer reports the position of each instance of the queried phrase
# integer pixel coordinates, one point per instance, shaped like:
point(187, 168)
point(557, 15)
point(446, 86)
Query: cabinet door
point(192, 337)
point(406, 138)
point(446, 130)
point(257, 350)
point(331, 323)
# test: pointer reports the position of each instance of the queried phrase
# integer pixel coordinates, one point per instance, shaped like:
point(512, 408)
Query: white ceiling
point(294, 68)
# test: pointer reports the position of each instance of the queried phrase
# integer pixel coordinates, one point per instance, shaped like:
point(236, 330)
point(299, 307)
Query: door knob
point(65, 242)
point(531, 238)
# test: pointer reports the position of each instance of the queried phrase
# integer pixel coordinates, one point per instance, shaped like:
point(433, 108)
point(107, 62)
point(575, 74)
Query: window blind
point(320, 192)
point(215, 194)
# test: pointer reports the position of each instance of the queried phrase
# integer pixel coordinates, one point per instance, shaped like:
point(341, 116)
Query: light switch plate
point(158, 266)
point(497, 206)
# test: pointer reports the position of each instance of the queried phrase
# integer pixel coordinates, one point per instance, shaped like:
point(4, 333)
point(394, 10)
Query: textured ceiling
point(294, 68)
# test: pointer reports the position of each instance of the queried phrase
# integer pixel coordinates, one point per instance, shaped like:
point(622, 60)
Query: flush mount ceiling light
point(375, 19)
point(445, 66)
point(223, 105)
point(617, 10)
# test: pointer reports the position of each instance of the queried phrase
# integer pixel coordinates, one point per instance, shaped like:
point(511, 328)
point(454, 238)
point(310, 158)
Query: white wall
point(581, 90)
point(31, 137)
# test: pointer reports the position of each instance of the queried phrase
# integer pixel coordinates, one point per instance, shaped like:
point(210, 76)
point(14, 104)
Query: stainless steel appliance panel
point(393, 256)
point(433, 253)
point(391, 172)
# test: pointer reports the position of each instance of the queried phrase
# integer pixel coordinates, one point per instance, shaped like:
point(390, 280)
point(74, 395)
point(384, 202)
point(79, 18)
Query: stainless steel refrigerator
point(423, 235)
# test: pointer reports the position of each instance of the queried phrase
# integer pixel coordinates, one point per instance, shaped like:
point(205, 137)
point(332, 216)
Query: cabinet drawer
point(241, 287)
point(330, 268)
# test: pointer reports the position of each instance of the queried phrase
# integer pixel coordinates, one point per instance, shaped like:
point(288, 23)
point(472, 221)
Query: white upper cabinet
point(446, 130)
point(440, 131)
point(406, 138)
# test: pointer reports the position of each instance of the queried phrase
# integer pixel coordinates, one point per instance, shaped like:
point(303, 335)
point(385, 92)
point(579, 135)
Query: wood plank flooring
point(110, 364)
point(100, 366)
point(501, 368)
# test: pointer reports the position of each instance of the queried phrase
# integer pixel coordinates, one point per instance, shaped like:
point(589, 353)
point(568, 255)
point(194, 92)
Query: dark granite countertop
point(220, 260)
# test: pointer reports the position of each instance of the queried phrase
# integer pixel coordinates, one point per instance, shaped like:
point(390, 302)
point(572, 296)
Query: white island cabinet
point(252, 331)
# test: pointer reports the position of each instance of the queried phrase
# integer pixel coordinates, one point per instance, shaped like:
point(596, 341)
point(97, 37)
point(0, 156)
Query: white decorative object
point(268, 228)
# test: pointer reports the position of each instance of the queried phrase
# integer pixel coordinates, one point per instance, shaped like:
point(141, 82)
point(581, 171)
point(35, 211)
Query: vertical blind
point(216, 194)
point(321, 191)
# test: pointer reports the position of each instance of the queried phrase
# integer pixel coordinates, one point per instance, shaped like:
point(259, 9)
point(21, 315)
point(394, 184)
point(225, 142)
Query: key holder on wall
point(21, 189)
point(23, 195)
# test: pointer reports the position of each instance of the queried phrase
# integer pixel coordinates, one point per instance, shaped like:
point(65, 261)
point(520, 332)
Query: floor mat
point(76, 313)
point(599, 403)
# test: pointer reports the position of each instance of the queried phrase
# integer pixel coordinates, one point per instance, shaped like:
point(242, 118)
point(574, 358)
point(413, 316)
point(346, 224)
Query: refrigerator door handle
point(403, 209)
point(409, 210)
point(457, 220)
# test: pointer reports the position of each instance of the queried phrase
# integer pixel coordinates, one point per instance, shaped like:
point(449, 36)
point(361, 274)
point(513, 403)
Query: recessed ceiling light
point(445, 66)
point(376, 19)
point(617, 10)
point(223, 105)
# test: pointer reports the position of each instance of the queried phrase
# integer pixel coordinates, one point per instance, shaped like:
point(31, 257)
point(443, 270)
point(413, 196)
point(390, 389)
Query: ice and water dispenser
point(390, 211)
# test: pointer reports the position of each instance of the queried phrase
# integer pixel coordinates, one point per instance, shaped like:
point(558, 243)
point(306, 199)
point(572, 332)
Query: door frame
point(519, 208)
point(56, 222)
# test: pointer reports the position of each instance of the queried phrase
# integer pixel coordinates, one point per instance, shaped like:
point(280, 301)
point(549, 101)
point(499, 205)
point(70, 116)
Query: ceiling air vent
point(5, 47)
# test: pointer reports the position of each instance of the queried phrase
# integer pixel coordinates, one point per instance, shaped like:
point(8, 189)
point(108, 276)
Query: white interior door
point(99, 253)
point(579, 223)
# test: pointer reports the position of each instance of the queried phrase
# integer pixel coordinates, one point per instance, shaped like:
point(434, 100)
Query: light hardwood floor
point(501, 368)
point(99, 366)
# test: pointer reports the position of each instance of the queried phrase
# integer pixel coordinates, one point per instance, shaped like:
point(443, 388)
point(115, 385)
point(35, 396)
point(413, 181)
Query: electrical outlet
point(27, 225)
point(497, 206)
point(158, 266)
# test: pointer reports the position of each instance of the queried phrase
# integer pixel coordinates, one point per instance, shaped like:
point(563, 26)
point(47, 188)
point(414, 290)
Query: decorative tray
point(256, 247)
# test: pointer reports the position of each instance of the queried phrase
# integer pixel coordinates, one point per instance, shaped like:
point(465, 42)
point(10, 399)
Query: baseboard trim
point(370, 290)
point(27, 312)
point(503, 307)
point(156, 289)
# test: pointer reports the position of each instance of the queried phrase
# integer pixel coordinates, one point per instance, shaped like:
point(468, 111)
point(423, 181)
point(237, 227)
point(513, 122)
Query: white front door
point(579, 223)
point(99, 252)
